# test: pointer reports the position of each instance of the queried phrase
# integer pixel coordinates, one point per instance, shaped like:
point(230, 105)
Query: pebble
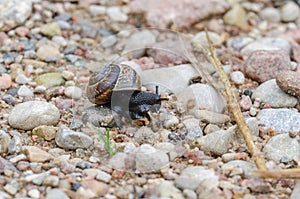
point(289, 82)
point(201, 96)
point(51, 180)
point(237, 77)
point(296, 190)
point(15, 145)
point(35, 154)
point(24, 91)
point(245, 103)
point(289, 11)
point(50, 29)
point(96, 10)
point(118, 160)
point(4, 142)
point(195, 177)
point(168, 148)
point(137, 42)
point(46, 132)
point(98, 188)
point(56, 194)
point(68, 139)
point(22, 79)
point(283, 120)
point(34, 193)
point(263, 65)
point(145, 135)
point(10, 189)
point(167, 189)
point(50, 79)
point(149, 159)
point(236, 16)
point(61, 41)
point(211, 117)
point(269, 93)
point(68, 75)
point(6, 165)
point(115, 14)
point(109, 41)
point(270, 14)
point(282, 148)
point(247, 167)
point(47, 52)
point(170, 122)
point(22, 31)
point(103, 176)
point(73, 92)
point(5, 82)
point(267, 43)
point(31, 114)
point(193, 129)
point(14, 13)
point(201, 38)
point(237, 43)
point(72, 58)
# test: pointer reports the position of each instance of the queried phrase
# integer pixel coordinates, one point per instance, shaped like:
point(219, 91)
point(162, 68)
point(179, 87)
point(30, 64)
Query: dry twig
point(284, 173)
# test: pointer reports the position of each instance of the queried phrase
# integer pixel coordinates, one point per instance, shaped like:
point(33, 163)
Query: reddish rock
point(3, 38)
point(98, 188)
point(160, 14)
point(22, 31)
point(5, 82)
point(168, 53)
point(263, 65)
point(289, 82)
point(146, 63)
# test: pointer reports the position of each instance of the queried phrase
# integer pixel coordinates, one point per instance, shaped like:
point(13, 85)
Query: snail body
point(120, 86)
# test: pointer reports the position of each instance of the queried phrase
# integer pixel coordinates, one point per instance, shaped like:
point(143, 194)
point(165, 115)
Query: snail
point(120, 86)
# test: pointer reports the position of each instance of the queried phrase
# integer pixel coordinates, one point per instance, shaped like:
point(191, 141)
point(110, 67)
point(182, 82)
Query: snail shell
point(110, 78)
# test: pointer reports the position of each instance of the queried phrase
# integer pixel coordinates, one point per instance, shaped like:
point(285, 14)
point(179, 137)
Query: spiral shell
point(114, 77)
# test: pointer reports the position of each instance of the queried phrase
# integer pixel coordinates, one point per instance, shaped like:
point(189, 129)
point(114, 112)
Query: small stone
point(35, 63)
point(289, 82)
point(56, 194)
point(18, 158)
point(34, 193)
point(270, 14)
point(50, 79)
point(201, 95)
point(35, 154)
point(167, 189)
point(6, 165)
point(10, 189)
point(269, 93)
point(148, 159)
point(98, 188)
point(170, 122)
point(237, 43)
point(289, 11)
point(245, 103)
point(5, 82)
point(137, 43)
point(61, 41)
point(145, 135)
point(237, 77)
point(68, 75)
point(201, 38)
point(115, 14)
point(4, 142)
point(109, 41)
point(50, 29)
point(96, 10)
point(22, 31)
point(15, 145)
point(103, 176)
point(282, 119)
point(282, 146)
point(72, 58)
point(211, 117)
point(263, 65)
point(194, 177)
point(68, 139)
point(46, 132)
point(246, 167)
point(24, 91)
point(46, 52)
point(22, 79)
point(73, 92)
point(193, 129)
point(51, 180)
point(236, 16)
point(31, 114)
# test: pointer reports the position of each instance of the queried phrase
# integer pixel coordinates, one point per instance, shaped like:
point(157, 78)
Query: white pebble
point(115, 14)
point(289, 12)
point(34, 193)
point(237, 77)
point(24, 91)
point(73, 92)
point(22, 79)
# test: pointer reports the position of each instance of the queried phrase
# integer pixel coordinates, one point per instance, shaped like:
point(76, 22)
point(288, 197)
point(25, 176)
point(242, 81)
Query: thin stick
point(284, 173)
point(235, 109)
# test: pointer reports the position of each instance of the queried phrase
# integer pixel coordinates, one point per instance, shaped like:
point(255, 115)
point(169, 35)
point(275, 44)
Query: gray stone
point(247, 167)
point(22, 79)
point(270, 14)
point(118, 160)
point(267, 43)
point(109, 41)
point(282, 120)
point(145, 135)
point(171, 121)
point(51, 180)
point(148, 159)
point(61, 41)
point(51, 29)
point(238, 42)
point(211, 117)
point(296, 191)
point(194, 177)
point(201, 96)
point(136, 44)
point(161, 77)
point(103, 176)
point(68, 139)
point(167, 189)
point(4, 142)
point(31, 114)
point(46, 52)
point(73, 92)
point(201, 38)
point(115, 14)
point(14, 13)
point(24, 91)
point(270, 93)
point(192, 126)
point(290, 11)
point(56, 194)
point(96, 10)
point(237, 77)
point(282, 147)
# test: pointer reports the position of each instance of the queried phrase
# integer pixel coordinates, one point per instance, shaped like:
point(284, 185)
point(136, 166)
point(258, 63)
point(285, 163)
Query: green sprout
point(105, 139)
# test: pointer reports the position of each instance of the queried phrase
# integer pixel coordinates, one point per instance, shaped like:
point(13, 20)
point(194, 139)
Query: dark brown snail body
point(120, 86)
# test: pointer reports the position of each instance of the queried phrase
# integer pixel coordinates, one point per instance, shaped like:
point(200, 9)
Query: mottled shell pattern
point(114, 77)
